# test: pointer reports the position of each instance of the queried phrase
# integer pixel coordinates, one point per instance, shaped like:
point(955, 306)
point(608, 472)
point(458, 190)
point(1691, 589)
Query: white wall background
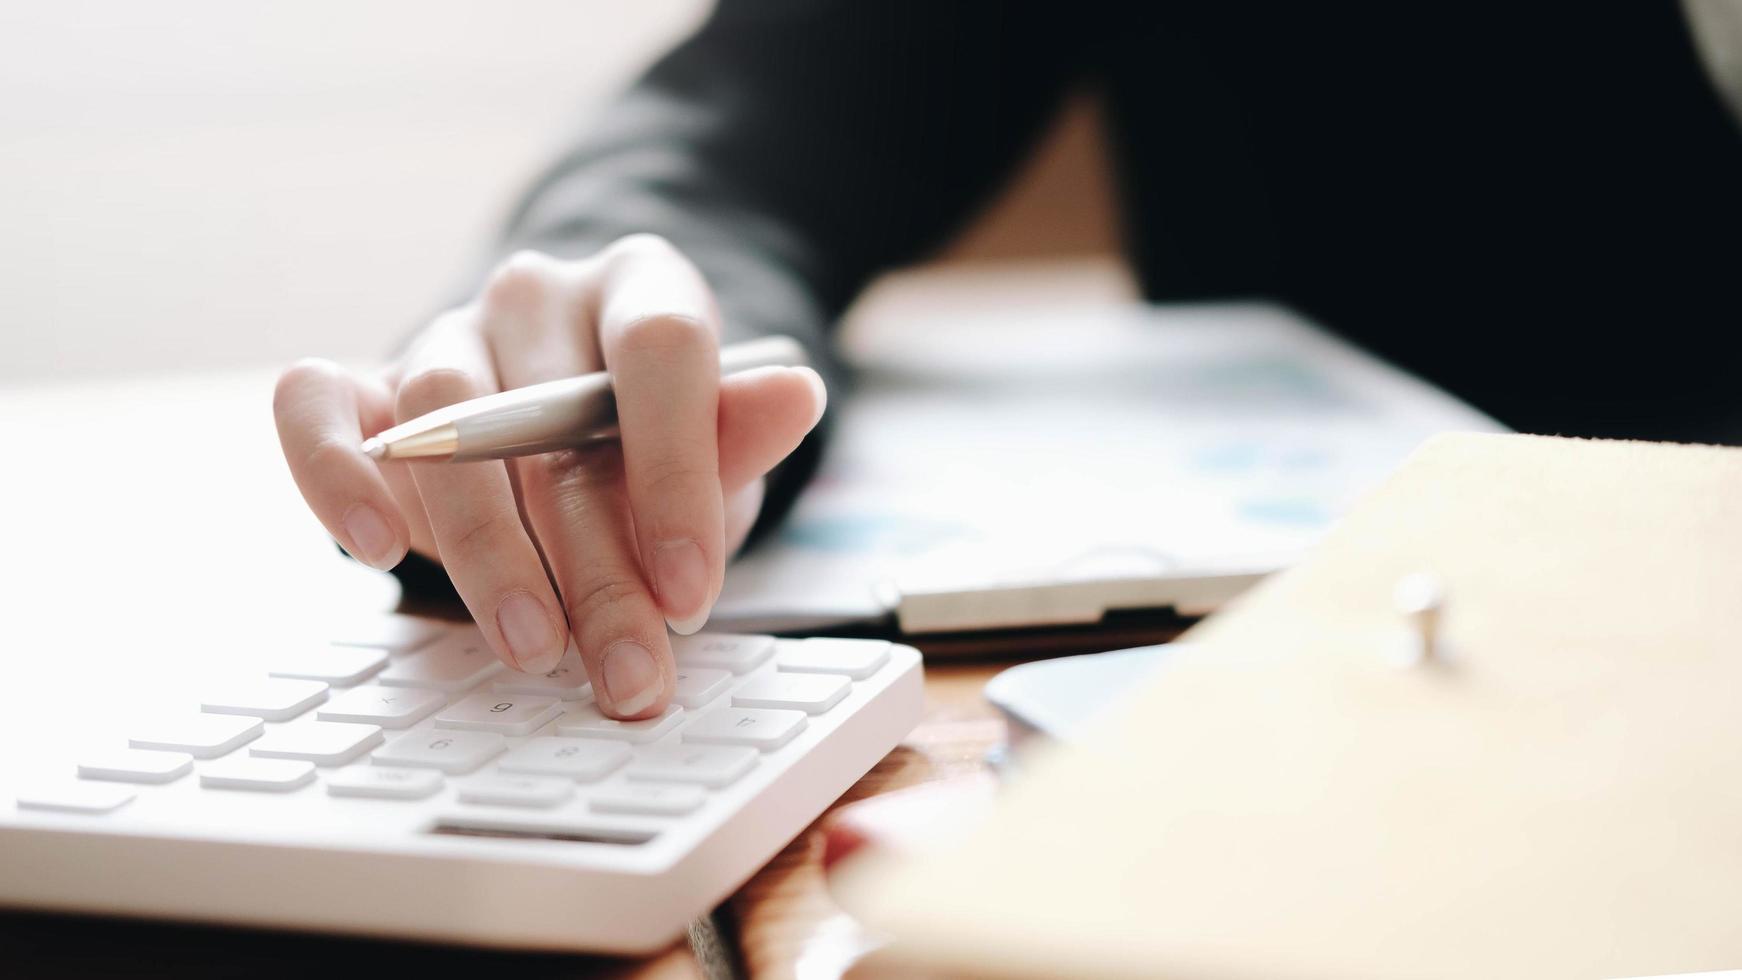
point(188, 184)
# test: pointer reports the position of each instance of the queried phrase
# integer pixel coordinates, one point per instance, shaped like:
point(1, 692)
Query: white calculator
point(401, 782)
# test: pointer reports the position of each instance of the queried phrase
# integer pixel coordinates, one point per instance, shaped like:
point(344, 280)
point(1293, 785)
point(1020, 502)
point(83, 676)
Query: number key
point(137, 766)
point(567, 680)
point(384, 783)
point(857, 659)
point(652, 799)
point(705, 765)
point(735, 652)
point(458, 663)
point(533, 791)
point(389, 707)
point(451, 752)
point(696, 686)
point(269, 698)
point(759, 728)
point(589, 722)
point(509, 714)
point(810, 693)
point(202, 736)
point(580, 759)
point(324, 743)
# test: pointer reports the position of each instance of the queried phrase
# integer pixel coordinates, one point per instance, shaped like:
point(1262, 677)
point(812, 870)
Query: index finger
point(320, 409)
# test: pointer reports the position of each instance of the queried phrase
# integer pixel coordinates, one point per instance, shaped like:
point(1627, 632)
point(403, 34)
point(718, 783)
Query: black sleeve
point(793, 149)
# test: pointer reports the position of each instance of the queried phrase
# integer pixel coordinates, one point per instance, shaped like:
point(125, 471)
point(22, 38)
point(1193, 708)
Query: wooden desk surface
point(146, 562)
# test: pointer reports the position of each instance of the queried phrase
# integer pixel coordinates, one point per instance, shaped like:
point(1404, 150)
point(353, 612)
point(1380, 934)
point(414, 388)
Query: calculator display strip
point(575, 835)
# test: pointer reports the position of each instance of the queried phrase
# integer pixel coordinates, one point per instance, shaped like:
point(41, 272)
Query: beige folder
point(1560, 798)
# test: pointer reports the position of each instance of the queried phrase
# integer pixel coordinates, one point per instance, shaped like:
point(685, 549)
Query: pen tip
point(374, 448)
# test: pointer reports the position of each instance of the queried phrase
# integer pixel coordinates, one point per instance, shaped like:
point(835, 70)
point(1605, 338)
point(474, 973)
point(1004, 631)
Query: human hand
point(631, 535)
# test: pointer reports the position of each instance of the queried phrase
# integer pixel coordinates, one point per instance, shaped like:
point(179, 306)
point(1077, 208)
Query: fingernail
point(681, 575)
point(371, 539)
point(632, 679)
point(822, 391)
point(527, 628)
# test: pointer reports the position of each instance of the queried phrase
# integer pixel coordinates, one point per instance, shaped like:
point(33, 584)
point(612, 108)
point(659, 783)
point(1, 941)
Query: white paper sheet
point(1126, 441)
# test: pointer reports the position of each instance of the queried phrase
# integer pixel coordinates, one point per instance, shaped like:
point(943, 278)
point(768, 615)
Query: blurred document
point(1122, 445)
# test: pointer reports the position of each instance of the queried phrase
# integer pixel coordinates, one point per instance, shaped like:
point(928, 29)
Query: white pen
point(544, 417)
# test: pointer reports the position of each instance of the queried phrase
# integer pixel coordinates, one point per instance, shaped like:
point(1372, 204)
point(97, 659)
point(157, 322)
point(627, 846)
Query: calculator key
point(392, 632)
point(705, 765)
point(567, 680)
point(857, 659)
point(249, 772)
point(324, 743)
point(458, 663)
point(588, 721)
point(202, 736)
point(654, 799)
point(582, 759)
point(137, 766)
point(389, 707)
point(761, 728)
point(811, 693)
point(508, 714)
point(270, 698)
point(336, 665)
point(74, 796)
point(384, 783)
point(696, 686)
point(516, 790)
point(736, 652)
point(452, 752)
